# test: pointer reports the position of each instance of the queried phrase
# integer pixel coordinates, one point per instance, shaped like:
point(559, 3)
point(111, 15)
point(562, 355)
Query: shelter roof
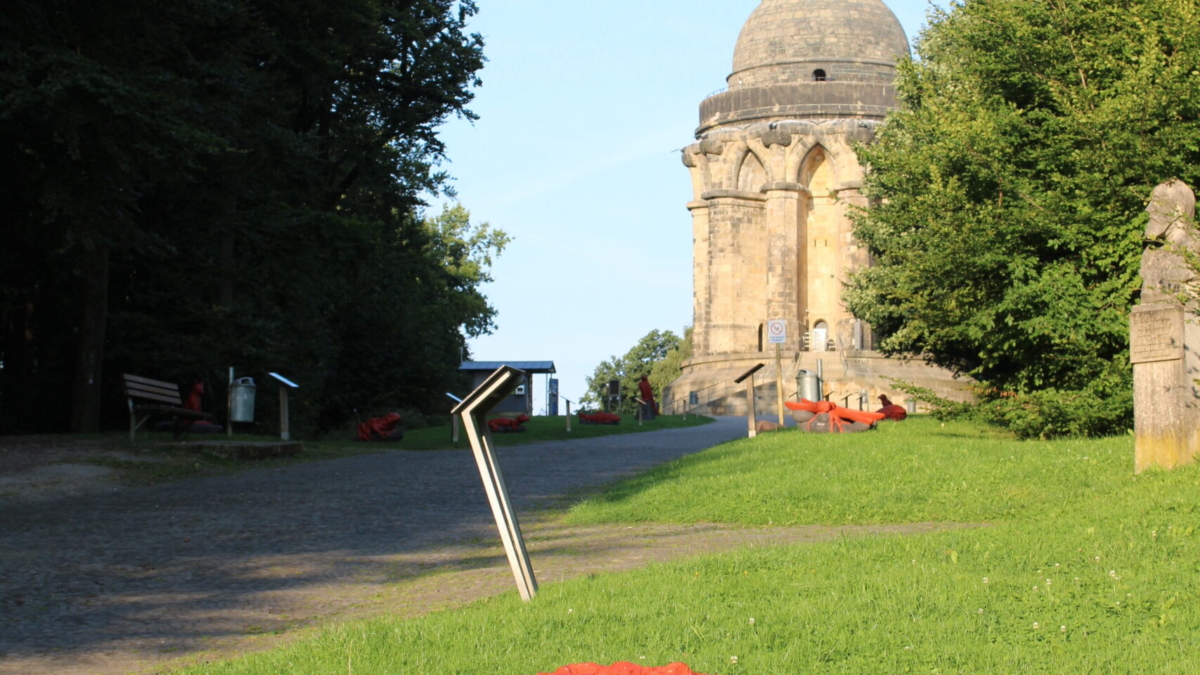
point(530, 367)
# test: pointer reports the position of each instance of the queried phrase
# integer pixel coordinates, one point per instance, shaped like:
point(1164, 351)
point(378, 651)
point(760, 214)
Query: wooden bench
point(153, 397)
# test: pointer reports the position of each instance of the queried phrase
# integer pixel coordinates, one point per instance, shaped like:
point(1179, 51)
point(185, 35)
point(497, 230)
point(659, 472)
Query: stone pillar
point(783, 220)
point(700, 276)
point(736, 271)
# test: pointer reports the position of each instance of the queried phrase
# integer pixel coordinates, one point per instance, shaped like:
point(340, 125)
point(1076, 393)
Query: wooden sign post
point(454, 419)
point(284, 384)
point(751, 415)
point(568, 413)
point(777, 335)
point(473, 411)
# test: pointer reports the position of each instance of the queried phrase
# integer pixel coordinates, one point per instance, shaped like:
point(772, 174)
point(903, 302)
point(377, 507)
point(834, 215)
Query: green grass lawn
point(159, 458)
point(537, 429)
point(915, 471)
point(1081, 568)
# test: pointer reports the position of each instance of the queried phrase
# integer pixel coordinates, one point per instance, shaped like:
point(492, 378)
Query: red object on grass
point(622, 668)
point(380, 428)
point(599, 418)
point(193, 403)
point(838, 416)
point(890, 410)
point(193, 399)
point(502, 424)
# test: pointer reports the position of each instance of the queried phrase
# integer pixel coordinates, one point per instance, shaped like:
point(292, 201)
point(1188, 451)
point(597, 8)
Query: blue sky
point(583, 109)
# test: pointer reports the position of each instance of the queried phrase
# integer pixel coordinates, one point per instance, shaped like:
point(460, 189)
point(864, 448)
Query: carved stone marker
point(1164, 337)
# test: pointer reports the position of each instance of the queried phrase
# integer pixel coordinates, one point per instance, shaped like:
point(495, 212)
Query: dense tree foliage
point(1009, 194)
point(195, 185)
point(666, 371)
point(655, 347)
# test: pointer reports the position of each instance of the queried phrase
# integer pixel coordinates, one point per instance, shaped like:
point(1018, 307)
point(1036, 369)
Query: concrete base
point(847, 374)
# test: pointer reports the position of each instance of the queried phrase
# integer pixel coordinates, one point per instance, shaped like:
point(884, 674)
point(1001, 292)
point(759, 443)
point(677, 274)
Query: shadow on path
point(124, 581)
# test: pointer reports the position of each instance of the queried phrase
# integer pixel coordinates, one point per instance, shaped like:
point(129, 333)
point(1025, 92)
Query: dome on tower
point(783, 39)
point(811, 59)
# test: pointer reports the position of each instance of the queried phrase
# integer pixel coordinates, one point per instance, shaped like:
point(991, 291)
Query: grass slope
point(1083, 569)
point(915, 471)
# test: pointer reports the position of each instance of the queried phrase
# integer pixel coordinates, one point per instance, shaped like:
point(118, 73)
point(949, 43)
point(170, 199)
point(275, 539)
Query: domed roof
point(792, 32)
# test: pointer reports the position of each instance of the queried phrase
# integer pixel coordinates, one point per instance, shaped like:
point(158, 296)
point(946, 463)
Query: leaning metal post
point(473, 411)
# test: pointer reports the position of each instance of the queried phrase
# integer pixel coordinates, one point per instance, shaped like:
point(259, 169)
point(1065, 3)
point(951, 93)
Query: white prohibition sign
point(777, 331)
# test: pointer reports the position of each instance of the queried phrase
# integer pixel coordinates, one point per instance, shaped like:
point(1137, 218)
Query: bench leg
point(135, 424)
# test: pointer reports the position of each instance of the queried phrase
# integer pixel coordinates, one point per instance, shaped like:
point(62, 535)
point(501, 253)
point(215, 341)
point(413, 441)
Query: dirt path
point(134, 580)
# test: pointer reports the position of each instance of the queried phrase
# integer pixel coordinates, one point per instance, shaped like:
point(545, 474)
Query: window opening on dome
point(819, 75)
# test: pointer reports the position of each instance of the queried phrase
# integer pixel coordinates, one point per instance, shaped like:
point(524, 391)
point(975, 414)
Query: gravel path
point(120, 581)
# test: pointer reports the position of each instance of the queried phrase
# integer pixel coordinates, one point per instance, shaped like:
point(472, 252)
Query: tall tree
point(641, 359)
point(1010, 185)
point(224, 169)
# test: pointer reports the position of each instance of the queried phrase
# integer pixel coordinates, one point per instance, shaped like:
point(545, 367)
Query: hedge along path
point(132, 579)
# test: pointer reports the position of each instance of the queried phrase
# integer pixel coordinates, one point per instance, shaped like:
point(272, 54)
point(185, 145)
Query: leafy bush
point(940, 408)
point(1103, 408)
point(1051, 413)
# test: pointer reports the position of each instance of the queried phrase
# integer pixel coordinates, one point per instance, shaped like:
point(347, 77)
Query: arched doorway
point(820, 336)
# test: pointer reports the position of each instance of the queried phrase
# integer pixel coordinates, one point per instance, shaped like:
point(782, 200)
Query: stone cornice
point(733, 194)
point(786, 187)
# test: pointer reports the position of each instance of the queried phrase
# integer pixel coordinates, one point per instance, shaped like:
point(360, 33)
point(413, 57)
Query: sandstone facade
point(774, 178)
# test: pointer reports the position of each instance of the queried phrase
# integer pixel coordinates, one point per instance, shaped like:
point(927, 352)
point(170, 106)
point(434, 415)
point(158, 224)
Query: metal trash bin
point(241, 400)
point(808, 384)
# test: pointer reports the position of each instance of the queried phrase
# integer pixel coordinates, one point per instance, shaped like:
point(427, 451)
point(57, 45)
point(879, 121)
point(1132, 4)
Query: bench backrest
point(158, 391)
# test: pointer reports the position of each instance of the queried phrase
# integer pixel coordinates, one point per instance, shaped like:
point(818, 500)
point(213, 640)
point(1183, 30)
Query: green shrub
point(1053, 413)
point(412, 418)
point(1104, 408)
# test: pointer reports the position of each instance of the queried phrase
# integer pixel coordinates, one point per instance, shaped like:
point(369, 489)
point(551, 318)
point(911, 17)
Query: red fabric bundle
point(380, 428)
point(838, 416)
point(503, 424)
point(599, 418)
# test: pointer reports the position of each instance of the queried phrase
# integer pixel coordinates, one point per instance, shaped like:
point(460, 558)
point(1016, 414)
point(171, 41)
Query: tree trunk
point(93, 320)
point(16, 377)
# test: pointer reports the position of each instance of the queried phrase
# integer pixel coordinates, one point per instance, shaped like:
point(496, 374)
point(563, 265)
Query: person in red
point(890, 410)
point(650, 409)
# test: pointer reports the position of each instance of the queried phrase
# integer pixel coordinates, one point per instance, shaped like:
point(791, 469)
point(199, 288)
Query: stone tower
point(774, 177)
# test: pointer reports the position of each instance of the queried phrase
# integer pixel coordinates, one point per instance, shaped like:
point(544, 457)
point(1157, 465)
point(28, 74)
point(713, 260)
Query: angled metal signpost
point(473, 411)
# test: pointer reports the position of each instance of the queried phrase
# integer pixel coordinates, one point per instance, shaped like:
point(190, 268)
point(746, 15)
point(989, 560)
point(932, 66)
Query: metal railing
point(684, 405)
